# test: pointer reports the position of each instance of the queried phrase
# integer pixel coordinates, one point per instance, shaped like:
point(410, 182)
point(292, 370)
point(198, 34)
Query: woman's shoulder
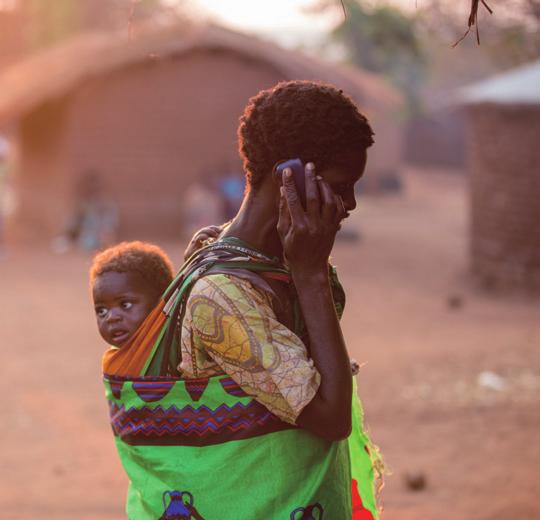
point(227, 287)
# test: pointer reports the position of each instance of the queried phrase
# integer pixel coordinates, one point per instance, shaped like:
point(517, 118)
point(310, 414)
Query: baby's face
point(121, 301)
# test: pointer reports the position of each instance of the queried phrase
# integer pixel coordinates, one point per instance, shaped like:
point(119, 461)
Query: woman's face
point(343, 179)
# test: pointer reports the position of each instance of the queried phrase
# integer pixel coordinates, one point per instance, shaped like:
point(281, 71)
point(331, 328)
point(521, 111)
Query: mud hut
point(504, 158)
point(151, 114)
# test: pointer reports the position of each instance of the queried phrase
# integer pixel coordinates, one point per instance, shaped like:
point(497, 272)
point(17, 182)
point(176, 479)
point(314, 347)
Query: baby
point(127, 281)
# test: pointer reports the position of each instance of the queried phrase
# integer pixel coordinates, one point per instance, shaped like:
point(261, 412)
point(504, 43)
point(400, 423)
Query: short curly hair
point(308, 120)
point(147, 260)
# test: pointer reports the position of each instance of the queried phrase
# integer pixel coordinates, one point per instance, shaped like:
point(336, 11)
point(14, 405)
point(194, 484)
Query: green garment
point(223, 452)
point(204, 449)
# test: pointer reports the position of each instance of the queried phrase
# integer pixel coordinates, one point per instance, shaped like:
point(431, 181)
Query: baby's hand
point(206, 234)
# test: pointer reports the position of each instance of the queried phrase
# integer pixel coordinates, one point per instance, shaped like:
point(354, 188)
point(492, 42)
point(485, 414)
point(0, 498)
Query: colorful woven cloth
point(230, 327)
point(204, 448)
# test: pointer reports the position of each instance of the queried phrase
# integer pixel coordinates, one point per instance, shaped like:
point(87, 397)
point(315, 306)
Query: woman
point(262, 428)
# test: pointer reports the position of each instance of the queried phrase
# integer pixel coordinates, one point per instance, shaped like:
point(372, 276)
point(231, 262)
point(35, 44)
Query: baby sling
point(203, 448)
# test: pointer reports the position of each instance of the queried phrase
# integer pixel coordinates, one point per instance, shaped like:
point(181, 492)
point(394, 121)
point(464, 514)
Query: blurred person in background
point(201, 206)
point(93, 224)
point(231, 187)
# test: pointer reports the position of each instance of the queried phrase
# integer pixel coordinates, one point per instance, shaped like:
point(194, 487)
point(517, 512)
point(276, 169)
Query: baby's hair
point(309, 120)
point(148, 260)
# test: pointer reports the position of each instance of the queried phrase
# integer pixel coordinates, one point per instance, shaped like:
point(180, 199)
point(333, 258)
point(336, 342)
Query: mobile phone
point(297, 168)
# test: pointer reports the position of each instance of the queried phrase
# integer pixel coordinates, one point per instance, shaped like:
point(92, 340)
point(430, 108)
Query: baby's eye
point(101, 312)
point(126, 305)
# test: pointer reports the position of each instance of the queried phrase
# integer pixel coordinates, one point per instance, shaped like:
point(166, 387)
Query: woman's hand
point(308, 235)
point(201, 236)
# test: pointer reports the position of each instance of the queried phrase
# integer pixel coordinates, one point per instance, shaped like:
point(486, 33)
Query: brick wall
point(505, 195)
point(148, 130)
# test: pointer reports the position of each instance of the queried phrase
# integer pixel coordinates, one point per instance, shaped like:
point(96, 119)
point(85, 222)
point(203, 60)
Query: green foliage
point(382, 39)
point(414, 51)
point(509, 37)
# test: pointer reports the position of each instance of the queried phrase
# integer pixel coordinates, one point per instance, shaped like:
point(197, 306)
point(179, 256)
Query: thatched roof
point(517, 86)
point(58, 70)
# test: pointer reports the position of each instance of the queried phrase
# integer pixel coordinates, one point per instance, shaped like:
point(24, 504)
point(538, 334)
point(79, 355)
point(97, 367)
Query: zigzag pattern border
point(192, 426)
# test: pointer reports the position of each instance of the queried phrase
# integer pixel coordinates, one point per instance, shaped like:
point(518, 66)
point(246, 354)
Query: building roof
point(56, 71)
point(517, 86)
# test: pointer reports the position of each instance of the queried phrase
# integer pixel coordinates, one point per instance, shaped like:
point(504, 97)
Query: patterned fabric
point(210, 448)
point(206, 448)
point(230, 327)
point(223, 455)
point(153, 349)
point(169, 423)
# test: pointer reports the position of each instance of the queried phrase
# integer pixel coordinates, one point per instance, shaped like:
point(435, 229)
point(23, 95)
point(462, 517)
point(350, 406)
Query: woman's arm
point(329, 412)
point(308, 236)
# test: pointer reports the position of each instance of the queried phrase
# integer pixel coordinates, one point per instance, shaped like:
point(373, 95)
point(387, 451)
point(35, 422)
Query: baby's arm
point(209, 233)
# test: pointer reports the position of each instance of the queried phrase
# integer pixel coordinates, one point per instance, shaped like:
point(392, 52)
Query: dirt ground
point(451, 381)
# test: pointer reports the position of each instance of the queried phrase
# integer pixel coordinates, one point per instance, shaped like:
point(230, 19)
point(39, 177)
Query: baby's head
point(127, 282)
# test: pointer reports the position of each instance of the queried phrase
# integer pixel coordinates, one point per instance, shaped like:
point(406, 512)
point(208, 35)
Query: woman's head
point(309, 120)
